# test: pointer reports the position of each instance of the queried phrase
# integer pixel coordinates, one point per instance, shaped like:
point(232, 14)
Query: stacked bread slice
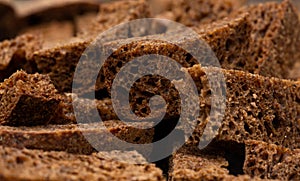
point(53, 130)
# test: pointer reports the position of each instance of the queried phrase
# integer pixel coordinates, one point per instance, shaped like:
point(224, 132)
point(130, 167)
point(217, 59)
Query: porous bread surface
point(28, 100)
point(271, 161)
point(187, 166)
point(262, 108)
point(72, 138)
point(61, 71)
point(257, 107)
point(275, 38)
point(233, 31)
point(23, 164)
point(60, 62)
point(230, 39)
point(192, 164)
point(14, 54)
point(130, 10)
point(212, 39)
point(193, 12)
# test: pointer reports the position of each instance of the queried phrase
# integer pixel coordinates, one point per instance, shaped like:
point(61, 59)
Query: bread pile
point(257, 45)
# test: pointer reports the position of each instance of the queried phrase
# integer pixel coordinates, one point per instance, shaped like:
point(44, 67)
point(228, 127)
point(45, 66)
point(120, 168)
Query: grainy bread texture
point(28, 100)
point(121, 11)
point(230, 39)
point(72, 138)
point(194, 12)
point(60, 62)
point(257, 107)
point(191, 164)
point(275, 35)
point(186, 165)
point(15, 52)
point(271, 161)
point(32, 165)
point(227, 39)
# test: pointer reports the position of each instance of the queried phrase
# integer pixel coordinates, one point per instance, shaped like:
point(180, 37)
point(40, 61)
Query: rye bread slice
point(23, 164)
point(275, 38)
point(229, 42)
point(28, 100)
point(78, 138)
point(60, 61)
point(257, 107)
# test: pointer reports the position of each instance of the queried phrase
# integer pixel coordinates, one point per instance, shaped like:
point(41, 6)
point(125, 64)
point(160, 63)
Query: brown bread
point(130, 10)
point(53, 61)
point(72, 138)
point(271, 161)
point(225, 37)
point(195, 12)
point(17, 165)
point(28, 100)
point(192, 164)
point(275, 37)
point(257, 107)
